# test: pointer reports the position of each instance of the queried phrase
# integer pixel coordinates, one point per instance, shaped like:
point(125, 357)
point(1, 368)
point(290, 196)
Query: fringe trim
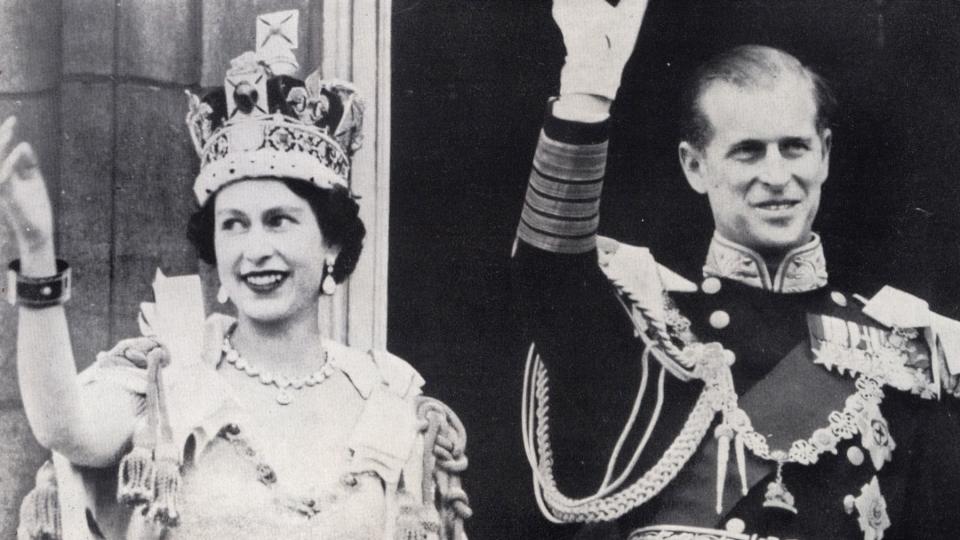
point(167, 504)
point(150, 474)
point(136, 477)
point(40, 510)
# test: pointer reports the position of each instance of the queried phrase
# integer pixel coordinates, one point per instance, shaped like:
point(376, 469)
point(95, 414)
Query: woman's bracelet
point(38, 292)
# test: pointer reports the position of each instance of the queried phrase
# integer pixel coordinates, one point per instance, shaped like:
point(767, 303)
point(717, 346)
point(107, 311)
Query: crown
point(265, 122)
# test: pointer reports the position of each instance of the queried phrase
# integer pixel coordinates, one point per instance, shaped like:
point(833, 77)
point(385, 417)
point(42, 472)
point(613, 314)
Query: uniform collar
point(803, 269)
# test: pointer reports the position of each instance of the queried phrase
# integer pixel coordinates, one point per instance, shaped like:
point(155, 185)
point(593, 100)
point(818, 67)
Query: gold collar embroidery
point(803, 269)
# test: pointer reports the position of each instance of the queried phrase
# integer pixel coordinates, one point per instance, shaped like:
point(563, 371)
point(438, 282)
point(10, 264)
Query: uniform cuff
point(561, 210)
point(571, 132)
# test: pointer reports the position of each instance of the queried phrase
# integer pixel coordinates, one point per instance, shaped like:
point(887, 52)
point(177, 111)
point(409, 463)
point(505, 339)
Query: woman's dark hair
point(336, 212)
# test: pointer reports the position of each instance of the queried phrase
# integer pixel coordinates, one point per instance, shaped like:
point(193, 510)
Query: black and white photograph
point(487, 269)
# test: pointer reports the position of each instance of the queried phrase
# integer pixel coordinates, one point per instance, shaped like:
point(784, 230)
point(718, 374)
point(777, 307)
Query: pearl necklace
point(283, 383)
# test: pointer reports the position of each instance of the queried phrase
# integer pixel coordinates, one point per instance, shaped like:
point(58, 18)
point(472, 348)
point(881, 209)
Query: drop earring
point(222, 295)
point(328, 285)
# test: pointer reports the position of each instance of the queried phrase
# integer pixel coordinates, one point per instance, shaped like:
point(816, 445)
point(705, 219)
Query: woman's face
point(270, 251)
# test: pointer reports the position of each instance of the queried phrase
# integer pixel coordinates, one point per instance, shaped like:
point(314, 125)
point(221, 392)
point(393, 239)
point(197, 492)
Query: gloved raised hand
point(599, 39)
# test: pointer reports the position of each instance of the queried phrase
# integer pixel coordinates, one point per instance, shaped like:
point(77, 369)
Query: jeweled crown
point(265, 122)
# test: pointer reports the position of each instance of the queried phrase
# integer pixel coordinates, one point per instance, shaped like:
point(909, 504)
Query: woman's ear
point(333, 251)
point(691, 161)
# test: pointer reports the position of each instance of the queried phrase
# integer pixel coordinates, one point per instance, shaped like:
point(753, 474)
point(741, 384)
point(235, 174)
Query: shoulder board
point(368, 369)
point(634, 269)
point(397, 373)
point(642, 282)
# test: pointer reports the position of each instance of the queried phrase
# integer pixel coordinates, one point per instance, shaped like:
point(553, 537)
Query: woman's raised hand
point(599, 39)
point(24, 202)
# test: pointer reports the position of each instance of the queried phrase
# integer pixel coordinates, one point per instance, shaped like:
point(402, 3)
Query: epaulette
point(371, 369)
point(894, 338)
point(397, 373)
point(630, 267)
point(642, 284)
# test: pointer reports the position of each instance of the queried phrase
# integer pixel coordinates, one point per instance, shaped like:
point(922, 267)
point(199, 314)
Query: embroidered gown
point(900, 478)
point(363, 482)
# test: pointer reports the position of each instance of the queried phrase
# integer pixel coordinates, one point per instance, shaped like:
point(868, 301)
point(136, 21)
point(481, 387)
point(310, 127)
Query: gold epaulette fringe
point(136, 477)
point(40, 510)
point(166, 503)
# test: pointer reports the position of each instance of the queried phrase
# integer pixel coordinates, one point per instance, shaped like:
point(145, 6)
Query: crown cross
point(266, 122)
point(277, 30)
point(281, 25)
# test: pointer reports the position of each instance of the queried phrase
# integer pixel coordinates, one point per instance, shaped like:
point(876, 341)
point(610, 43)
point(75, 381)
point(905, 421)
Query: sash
point(789, 403)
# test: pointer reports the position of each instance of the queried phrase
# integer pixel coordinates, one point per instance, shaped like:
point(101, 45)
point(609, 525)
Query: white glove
point(599, 39)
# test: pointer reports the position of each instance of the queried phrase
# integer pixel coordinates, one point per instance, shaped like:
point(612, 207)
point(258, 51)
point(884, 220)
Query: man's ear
point(826, 140)
point(691, 160)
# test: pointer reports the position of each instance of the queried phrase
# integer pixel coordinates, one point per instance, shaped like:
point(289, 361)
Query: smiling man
point(757, 144)
point(753, 401)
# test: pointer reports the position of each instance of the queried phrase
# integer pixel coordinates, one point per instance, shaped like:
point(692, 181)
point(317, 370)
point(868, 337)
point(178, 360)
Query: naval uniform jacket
point(898, 478)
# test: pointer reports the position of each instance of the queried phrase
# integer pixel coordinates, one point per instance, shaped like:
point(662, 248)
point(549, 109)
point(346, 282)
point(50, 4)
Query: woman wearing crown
point(262, 428)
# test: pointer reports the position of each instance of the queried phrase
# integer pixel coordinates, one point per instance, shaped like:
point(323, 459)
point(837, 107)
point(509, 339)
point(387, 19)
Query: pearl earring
point(222, 295)
point(328, 285)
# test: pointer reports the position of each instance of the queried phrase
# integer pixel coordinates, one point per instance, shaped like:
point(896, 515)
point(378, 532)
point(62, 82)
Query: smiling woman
point(247, 211)
point(263, 427)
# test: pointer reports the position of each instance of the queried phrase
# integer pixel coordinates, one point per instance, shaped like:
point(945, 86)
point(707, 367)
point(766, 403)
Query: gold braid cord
point(605, 507)
point(642, 296)
point(444, 459)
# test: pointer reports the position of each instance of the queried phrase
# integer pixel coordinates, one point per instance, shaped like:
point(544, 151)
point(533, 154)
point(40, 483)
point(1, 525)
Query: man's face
point(764, 167)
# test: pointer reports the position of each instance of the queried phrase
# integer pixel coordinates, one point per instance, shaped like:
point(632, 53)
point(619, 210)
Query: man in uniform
point(756, 401)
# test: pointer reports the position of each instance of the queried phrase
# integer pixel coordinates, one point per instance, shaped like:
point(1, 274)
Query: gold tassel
point(741, 464)
point(40, 510)
point(723, 434)
point(136, 477)
point(166, 504)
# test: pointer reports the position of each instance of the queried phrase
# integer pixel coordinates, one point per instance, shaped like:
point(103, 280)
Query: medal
point(778, 496)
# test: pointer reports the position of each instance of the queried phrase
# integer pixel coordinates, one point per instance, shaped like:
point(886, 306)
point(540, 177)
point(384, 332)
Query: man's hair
point(745, 66)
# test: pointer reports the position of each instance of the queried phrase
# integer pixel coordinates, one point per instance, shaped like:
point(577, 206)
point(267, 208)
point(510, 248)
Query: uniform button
point(855, 456)
point(711, 285)
point(719, 319)
point(849, 503)
point(735, 526)
point(838, 298)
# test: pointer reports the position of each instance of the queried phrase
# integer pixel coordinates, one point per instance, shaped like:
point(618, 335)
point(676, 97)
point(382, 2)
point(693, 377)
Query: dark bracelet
point(38, 292)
